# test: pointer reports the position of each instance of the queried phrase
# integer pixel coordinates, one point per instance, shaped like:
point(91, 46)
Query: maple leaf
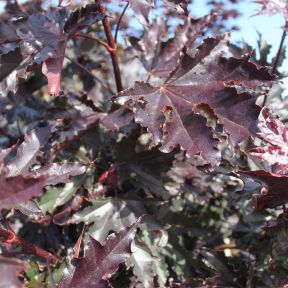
point(160, 57)
point(208, 79)
point(100, 261)
point(142, 9)
point(275, 192)
point(10, 269)
point(274, 150)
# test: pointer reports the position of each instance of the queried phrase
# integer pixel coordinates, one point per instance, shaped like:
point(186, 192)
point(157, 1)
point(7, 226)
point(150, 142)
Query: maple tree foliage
point(146, 155)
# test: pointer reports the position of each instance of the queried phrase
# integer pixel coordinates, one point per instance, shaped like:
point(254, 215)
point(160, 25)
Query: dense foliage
point(140, 153)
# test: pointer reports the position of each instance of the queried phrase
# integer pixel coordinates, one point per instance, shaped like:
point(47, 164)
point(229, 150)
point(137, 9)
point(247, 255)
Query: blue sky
point(268, 26)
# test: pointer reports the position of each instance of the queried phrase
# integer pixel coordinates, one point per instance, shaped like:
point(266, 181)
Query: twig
point(9, 237)
point(275, 64)
point(113, 46)
point(89, 72)
point(103, 43)
point(119, 22)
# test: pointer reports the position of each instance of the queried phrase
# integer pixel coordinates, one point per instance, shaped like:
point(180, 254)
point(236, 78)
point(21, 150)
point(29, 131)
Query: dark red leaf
point(17, 190)
point(101, 261)
point(168, 111)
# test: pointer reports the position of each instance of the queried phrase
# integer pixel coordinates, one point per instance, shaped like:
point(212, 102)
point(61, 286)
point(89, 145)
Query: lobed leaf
point(100, 261)
point(169, 111)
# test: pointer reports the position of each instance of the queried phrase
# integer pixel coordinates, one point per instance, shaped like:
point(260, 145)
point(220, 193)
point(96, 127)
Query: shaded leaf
point(117, 120)
point(275, 191)
point(58, 196)
point(109, 215)
point(142, 262)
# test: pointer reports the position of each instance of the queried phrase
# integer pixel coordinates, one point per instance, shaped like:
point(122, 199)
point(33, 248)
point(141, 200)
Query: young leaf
point(100, 261)
point(52, 68)
point(274, 150)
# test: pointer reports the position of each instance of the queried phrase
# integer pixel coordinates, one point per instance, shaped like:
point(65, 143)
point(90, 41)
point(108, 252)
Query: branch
point(119, 22)
point(112, 45)
point(9, 237)
point(89, 72)
point(275, 64)
point(107, 47)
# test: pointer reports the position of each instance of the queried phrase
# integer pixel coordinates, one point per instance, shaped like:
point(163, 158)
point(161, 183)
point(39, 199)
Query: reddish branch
point(101, 42)
point(113, 47)
point(10, 237)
